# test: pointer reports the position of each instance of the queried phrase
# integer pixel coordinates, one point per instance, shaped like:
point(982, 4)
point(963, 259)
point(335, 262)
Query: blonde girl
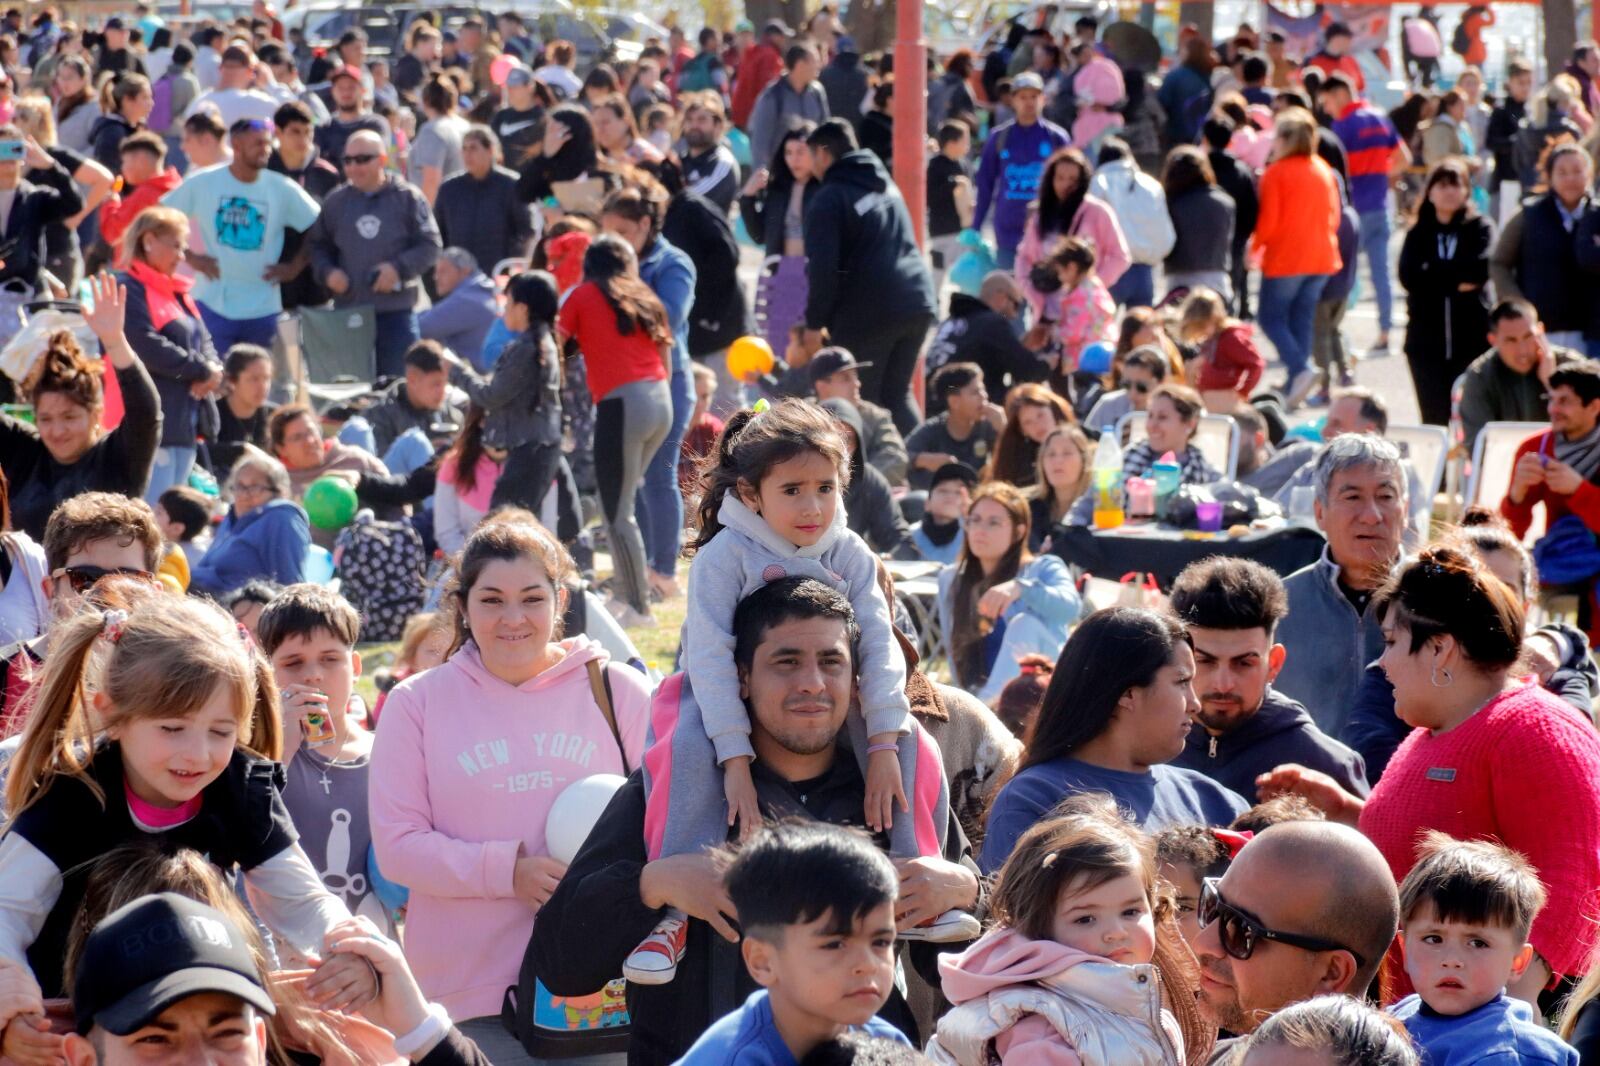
point(163, 724)
point(1085, 964)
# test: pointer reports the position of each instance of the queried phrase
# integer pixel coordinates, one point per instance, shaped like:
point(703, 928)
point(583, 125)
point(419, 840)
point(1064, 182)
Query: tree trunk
point(1202, 14)
point(1560, 34)
point(871, 23)
point(792, 12)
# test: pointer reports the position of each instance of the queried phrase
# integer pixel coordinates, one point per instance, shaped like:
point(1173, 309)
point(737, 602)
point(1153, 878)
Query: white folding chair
point(1427, 448)
point(1493, 457)
point(1217, 438)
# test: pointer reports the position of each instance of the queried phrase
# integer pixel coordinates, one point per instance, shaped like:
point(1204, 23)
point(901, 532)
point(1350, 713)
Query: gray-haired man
point(460, 318)
point(1331, 631)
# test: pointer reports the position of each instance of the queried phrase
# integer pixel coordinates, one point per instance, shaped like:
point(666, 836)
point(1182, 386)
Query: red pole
point(911, 113)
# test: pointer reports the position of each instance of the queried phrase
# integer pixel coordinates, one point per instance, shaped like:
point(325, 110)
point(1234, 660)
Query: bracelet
point(432, 1029)
point(888, 745)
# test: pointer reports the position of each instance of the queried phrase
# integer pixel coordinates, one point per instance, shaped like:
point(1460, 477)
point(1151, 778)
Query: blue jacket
point(1502, 1032)
point(1329, 645)
point(670, 275)
point(749, 1037)
point(1037, 622)
point(177, 355)
point(1008, 174)
point(269, 542)
point(461, 320)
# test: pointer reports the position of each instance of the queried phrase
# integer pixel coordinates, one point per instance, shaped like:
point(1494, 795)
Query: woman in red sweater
point(1229, 364)
point(1297, 236)
point(1491, 755)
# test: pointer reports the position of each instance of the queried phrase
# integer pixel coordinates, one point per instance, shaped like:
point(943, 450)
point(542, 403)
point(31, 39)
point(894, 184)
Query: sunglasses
point(1141, 387)
point(84, 578)
point(359, 160)
point(1238, 933)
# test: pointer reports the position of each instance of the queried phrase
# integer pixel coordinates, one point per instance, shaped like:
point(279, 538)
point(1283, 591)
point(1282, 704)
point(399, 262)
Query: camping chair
point(1427, 448)
point(338, 353)
point(1217, 438)
point(1493, 457)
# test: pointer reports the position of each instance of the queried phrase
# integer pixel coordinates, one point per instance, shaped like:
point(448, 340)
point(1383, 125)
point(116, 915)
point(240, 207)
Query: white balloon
point(575, 812)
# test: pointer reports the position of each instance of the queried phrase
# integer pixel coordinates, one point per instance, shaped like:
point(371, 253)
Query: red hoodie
point(758, 69)
point(1233, 364)
point(119, 210)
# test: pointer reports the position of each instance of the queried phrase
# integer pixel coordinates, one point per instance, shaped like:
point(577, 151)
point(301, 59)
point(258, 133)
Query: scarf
point(1583, 454)
point(166, 294)
point(940, 533)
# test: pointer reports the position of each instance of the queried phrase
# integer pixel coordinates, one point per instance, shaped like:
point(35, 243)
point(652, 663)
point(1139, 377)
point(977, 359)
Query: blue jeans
point(659, 502)
point(226, 332)
point(1375, 246)
point(1286, 310)
point(170, 467)
point(1136, 287)
point(396, 331)
point(1005, 250)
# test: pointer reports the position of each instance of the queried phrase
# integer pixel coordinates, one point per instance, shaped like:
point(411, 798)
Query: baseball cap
point(954, 472)
point(155, 951)
point(846, 44)
point(829, 361)
point(519, 75)
point(775, 26)
point(115, 23)
point(346, 71)
point(1027, 81)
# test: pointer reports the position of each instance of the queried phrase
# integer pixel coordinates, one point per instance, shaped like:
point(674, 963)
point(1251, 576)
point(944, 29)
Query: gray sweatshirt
point(357, 231)
point(747, 554)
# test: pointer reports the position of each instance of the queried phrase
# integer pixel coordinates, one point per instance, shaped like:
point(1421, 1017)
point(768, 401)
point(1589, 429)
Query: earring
point(1448, 680)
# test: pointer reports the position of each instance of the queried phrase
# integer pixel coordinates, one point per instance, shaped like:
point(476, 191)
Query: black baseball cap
point(154, 952)
point(115, 23)
point(829, 361)
point(954, 472)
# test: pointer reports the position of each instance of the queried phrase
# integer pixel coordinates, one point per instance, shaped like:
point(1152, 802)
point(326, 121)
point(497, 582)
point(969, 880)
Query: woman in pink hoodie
point(1086, 964)
point(1066, 209)
point(472, 756)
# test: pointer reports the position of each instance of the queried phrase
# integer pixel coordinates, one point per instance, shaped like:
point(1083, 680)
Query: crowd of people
point(1347, 813)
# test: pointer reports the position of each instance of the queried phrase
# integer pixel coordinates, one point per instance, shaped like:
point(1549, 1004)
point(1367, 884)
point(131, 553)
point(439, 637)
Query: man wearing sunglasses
point(243, 211)
point(1307, 909)
point(88, 537)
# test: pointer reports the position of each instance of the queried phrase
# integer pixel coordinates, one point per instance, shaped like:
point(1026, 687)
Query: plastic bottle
point(1107, 471)
point(1168, 475)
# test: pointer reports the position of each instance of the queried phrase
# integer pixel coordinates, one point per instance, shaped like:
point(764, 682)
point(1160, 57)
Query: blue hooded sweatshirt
point(269, 542)
point(1008, 175)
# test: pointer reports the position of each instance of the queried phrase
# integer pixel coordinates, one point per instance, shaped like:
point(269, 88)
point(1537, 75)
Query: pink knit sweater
point(1525, 771)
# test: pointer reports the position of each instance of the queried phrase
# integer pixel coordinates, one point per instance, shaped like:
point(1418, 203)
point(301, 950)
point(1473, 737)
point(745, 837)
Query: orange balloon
point(750, 355)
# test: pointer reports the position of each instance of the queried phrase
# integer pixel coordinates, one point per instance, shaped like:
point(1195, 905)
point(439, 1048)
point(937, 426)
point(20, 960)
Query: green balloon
point(330, 503)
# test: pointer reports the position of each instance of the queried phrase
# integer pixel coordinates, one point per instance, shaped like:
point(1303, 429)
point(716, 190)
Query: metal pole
point(911, 114)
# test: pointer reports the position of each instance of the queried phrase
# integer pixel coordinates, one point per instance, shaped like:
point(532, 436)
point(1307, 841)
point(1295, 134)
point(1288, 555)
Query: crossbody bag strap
point(600, 687)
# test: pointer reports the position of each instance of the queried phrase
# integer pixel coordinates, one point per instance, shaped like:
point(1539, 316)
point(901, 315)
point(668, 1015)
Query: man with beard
point(708, 165)
point(1232, 607)
point(1307, 909)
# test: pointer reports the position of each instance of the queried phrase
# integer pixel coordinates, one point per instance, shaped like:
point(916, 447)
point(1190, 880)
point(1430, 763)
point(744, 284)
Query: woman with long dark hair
point(1444, 268)
point(1032, 413)
point(1203, 218)
point(566, 154)
point(999, 601)
point(1065, 208)
point(773, 206)
point(626, 337)
point(1115, 715)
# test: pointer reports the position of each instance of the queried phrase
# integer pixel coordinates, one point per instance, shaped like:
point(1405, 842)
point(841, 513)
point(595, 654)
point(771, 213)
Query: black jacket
point(1548, 270)
point(177, 355)
point(1281, 731)
point(485, 217)
point(1204, 220)
point(876, 132)
point(719, 315)
point(318, 178)
point(845, 81)
point(1445, 325)
point(1236, 180)
point(763, 214)
point(862, 261)
point(595, 918)
point(105, 140)
point(870, 508)
point(977, 333)
point(713, 174)
point(1505, 122)
point(36, 208)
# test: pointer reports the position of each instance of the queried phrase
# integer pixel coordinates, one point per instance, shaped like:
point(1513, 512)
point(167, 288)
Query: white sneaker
point(952, 926)
point(1299, 387)
point(655, 960)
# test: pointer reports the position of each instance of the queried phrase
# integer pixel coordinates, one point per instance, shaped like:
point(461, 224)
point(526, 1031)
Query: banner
point(1369, 23)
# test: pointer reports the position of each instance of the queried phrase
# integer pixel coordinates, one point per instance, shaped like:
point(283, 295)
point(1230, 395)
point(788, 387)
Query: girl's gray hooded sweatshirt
point(747, 554)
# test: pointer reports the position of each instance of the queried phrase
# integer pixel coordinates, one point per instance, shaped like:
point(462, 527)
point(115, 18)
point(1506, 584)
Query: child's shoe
point(953, 926)
point(655, 960)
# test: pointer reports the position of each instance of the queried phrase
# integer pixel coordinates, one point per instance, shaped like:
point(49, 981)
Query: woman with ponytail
point(159, 723)
point(1491, 755)
point(125, 102)
point(64, 451)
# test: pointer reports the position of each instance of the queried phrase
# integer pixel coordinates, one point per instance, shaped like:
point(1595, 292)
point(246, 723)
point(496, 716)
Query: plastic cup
point(1209, 515)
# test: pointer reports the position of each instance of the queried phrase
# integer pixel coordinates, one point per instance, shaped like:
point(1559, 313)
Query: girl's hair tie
point(112, 624)
point(244, 635)
point(1050, 859)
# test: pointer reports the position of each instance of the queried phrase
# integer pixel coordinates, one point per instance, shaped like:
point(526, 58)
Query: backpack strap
point(600, 687)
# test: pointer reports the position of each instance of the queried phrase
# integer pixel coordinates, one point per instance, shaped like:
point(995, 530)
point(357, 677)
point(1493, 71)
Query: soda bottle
point(1107, 487)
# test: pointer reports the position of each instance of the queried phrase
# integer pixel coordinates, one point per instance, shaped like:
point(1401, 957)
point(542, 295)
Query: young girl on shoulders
point(771, 507)
point(159, 724)
point(1086, 964)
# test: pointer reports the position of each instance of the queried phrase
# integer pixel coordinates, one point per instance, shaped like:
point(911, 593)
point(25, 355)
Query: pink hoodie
point(1112, 1004)
point(464, 772)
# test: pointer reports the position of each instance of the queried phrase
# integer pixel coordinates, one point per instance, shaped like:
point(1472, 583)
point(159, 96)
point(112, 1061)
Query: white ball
point(575, 812)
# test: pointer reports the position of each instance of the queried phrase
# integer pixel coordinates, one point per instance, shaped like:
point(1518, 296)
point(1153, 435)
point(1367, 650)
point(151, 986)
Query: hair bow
point(1232, 841)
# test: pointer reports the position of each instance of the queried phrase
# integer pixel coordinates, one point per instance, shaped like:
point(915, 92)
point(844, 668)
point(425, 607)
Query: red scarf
point(166, 294)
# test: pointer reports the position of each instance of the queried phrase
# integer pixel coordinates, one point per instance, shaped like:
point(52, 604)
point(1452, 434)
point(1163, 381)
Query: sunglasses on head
point(82, 578)
point(360, 160)
point(1238, 932)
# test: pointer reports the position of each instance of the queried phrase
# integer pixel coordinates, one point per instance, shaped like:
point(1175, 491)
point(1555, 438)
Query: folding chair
point(1427, 448)
point(1493, 457)
point(338, 352)
point(1217, 438)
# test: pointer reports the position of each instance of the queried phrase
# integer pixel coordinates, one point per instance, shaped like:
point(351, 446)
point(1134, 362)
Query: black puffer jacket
point(1203, 219)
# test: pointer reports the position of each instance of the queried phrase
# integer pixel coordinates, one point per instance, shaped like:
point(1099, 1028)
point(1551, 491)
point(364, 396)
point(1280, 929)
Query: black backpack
point(1461, 42)
point(567, 1027)
point(381, 568)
